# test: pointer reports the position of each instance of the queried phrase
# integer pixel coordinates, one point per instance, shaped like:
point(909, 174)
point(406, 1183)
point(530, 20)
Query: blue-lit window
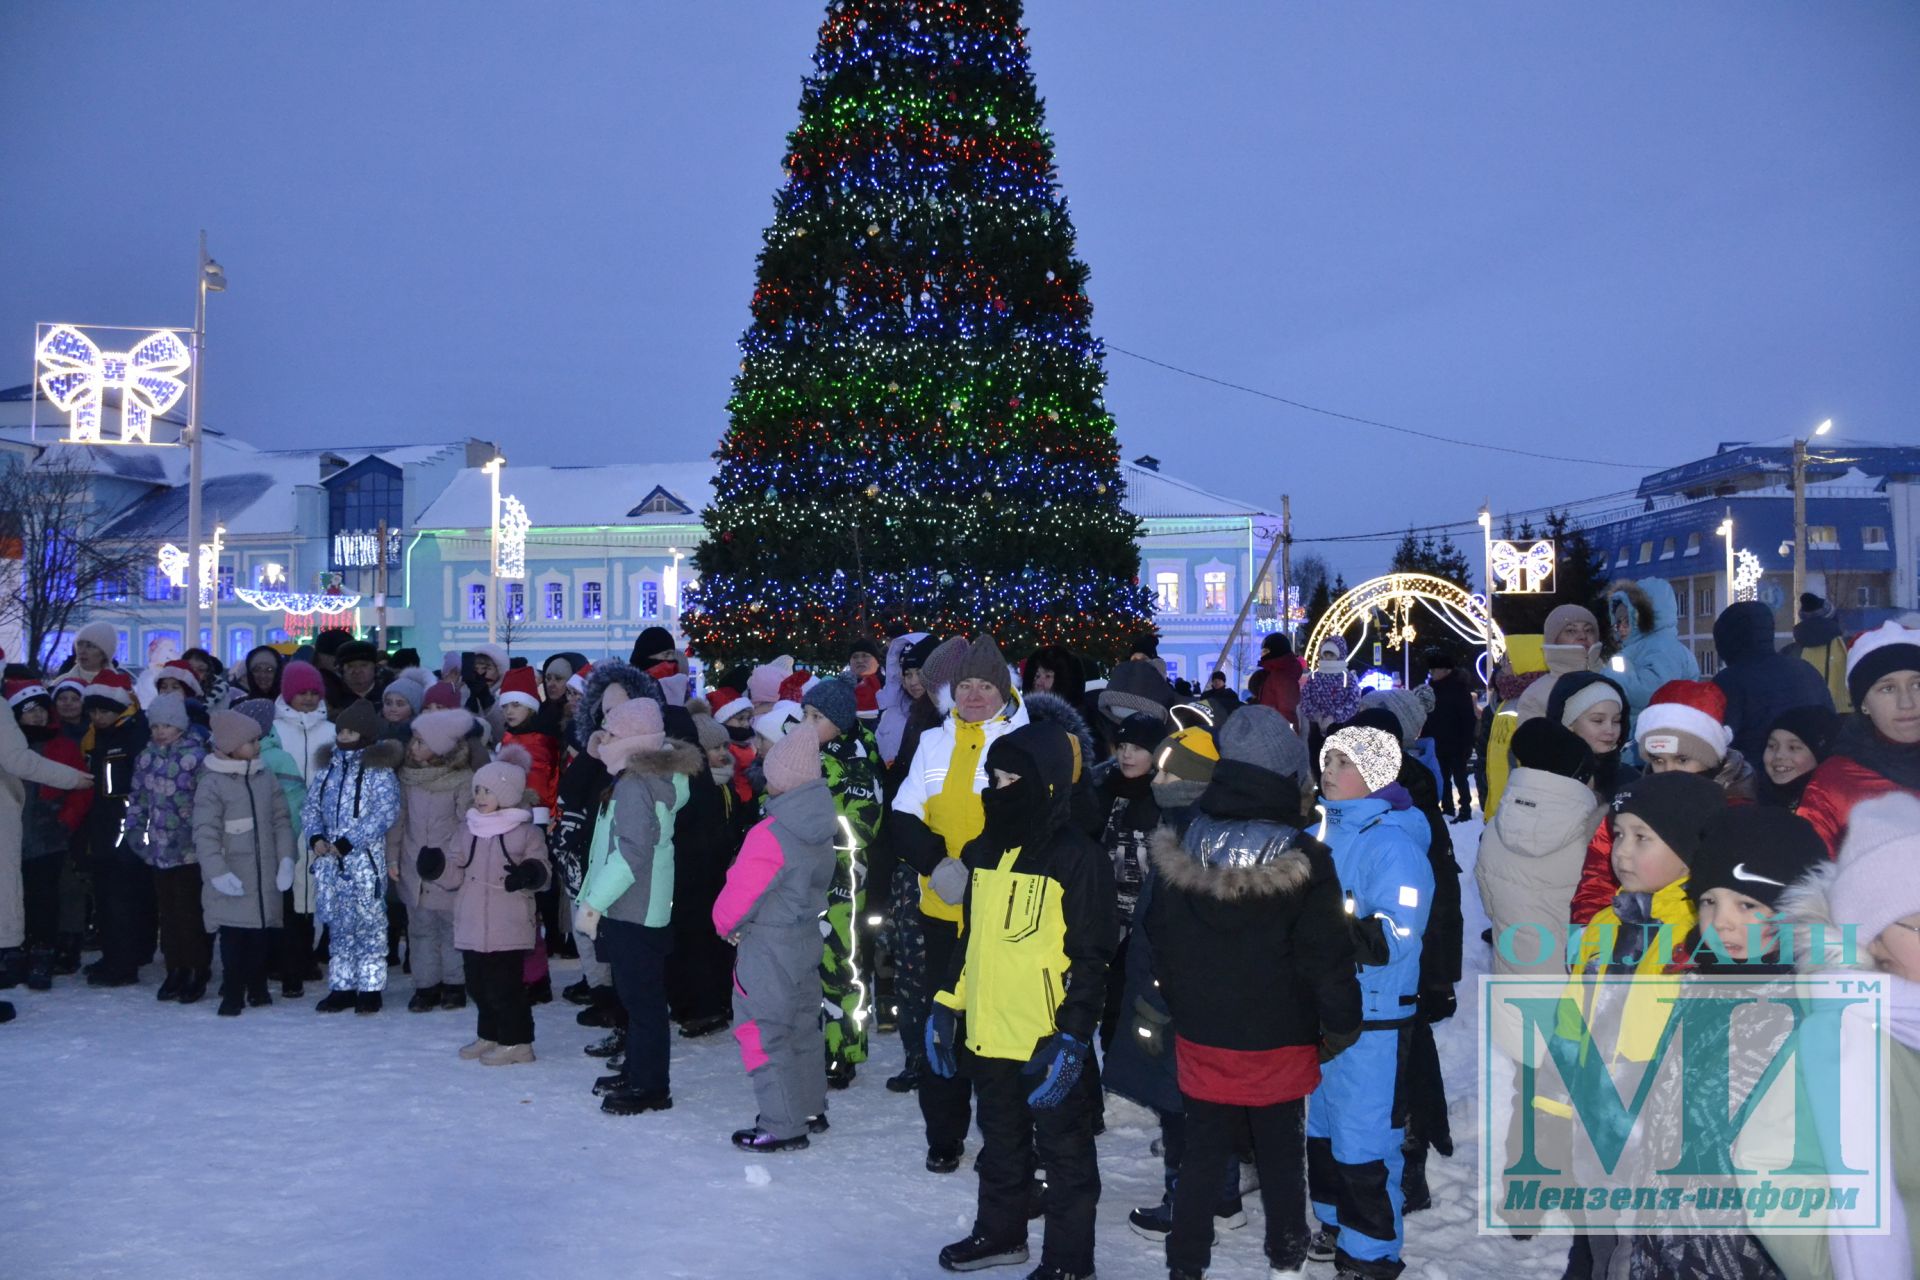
point(517, 601)
point(649, 599)
point(590, 601)
point(159, 587)
point(553, 601)
point(239, 644)
point(477, 602)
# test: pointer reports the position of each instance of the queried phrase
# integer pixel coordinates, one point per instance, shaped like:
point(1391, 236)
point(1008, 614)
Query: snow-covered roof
point(612, 494)
point(617, 494)
point(1152, 494)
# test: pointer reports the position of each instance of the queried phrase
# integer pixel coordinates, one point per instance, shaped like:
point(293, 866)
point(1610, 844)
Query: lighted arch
point(1464, 613)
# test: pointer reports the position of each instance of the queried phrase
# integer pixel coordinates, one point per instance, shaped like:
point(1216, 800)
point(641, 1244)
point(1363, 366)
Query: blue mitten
point(943, 1039)
point(1058, 1062)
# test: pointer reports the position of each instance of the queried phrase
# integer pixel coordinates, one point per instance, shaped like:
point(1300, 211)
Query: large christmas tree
point(918, 437)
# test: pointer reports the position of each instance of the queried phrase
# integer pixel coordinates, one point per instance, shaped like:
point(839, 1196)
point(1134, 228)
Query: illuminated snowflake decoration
point(514, 524)
point(1747, 572)
point(76, 374)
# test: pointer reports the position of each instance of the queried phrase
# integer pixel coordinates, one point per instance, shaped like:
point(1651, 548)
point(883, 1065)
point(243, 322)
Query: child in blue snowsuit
point(352, 800)
point(1356, 1118)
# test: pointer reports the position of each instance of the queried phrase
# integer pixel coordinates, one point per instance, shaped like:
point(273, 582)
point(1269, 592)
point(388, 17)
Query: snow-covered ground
point(146, 1140)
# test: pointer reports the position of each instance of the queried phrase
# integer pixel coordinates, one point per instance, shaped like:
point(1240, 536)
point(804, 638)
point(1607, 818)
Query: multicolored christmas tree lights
point(918, 437)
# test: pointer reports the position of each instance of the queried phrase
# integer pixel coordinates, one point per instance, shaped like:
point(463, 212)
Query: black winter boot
point(367, 1002)
point(176, 981)
point(452, 996)
point(335, 1002)
point(66, 955)
point(1413, 1178)
point(425, 1000)
point(196, 987)
point(13, 967)
point(40, 969)
point(977, 1252)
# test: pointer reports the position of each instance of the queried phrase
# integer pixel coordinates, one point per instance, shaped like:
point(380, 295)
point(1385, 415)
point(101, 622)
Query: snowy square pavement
point(147, 1140)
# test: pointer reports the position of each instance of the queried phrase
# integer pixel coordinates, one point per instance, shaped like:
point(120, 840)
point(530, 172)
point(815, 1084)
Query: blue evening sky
point(1618, 231)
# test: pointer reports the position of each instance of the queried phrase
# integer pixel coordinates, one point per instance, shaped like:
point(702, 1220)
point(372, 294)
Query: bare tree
point(67, 567)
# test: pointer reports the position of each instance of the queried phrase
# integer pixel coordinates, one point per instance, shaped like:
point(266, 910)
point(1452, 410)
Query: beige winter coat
point(19, 765)
point(434, 800)
point(240, 826)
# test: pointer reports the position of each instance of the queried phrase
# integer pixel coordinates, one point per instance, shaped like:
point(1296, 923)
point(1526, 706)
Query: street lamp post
point(1726, 531)
point(1486, 578)
point(212, 280)
point(1800, 510)
point(493, 548)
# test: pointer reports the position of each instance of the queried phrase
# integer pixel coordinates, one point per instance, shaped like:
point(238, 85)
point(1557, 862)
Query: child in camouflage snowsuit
point(849, 756)
point(353, 800)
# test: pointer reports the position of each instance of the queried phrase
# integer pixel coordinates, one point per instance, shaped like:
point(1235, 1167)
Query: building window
point(158, 587)
point(1703, 601)
point(553, 601)
point(1173, 667)
point(649, 599)
point(1868, 597)
point(1213, 591)
point(1166, 592)
point(170, 636)
point(517, 601)
point(239, 645)
point(1666, 549)
point(1646, 551)
point(1873, 537)
point(1265, 590)
point(1625, 556)
point(357, 501)
point(686, 594)
point(590, 601)
point(276, 635)
point(1693, 544)
point(226, 582)
point(477, 602)
point(1824, 536)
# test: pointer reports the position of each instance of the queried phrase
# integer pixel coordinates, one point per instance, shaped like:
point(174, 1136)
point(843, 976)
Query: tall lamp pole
point(212, 280)
point(1486, 576)
point(1800, 511)
point(493, 543)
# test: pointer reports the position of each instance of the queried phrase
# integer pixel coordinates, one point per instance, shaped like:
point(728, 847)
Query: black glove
point(431, 863)
point(523, 875)
point(1334, 1043)
point(344, 845)
point(1370, 941)
point(1437, 1004)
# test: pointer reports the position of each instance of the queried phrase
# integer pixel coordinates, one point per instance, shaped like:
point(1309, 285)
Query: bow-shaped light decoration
point(1523, 570)
point(76, 374)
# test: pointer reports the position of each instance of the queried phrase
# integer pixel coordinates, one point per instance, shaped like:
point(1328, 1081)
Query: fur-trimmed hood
point(1807, 907)
point(637, 683)
point(1232, 859)
point(1049, 708)
point(385, 754)
point(449, 773)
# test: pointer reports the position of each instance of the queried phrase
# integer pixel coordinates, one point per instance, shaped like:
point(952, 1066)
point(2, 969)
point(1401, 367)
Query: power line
point(1371, 422)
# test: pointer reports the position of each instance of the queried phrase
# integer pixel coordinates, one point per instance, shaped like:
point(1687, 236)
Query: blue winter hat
point(834, 698)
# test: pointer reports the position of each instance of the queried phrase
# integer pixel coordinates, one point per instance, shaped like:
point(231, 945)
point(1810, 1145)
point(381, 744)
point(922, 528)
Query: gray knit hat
point(1407, 707)
point(168, 708)
point(984, 661)
point(1136, 686)
point(834, 698)
point(1261, 737)
point(941, 667)
point(709, 732)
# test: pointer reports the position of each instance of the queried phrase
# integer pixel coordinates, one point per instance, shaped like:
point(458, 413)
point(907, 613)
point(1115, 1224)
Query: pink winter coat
point(486, 915)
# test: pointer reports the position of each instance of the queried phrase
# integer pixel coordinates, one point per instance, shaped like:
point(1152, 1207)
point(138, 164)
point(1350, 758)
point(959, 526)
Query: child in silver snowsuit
point(353, 800)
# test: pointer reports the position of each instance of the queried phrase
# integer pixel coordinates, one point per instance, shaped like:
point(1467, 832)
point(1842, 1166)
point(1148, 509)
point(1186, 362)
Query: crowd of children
point(1245, 916)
